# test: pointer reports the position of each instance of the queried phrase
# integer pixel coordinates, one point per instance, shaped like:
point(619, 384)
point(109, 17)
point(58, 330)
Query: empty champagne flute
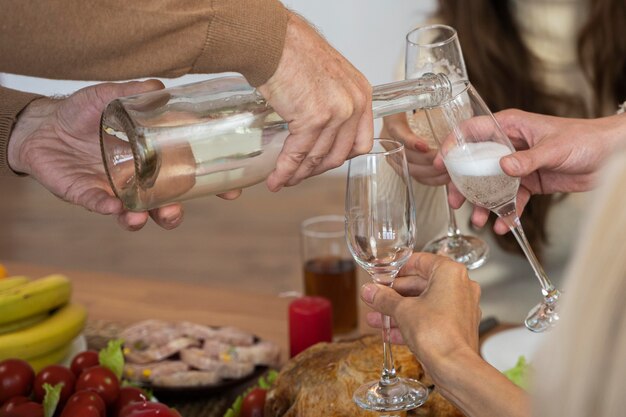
point(436, 49)
point(380, 232)
point(472, 143)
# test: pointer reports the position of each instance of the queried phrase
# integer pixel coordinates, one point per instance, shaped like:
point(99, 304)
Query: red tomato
point(16, 378)
point(128, 395)
point(101, 380)
point(84, 360)
point(253, 403)
point(27, 409)
point(80, 412)
point(84, 401)
point(147, 409)
point(55, 374)
point(11, 403)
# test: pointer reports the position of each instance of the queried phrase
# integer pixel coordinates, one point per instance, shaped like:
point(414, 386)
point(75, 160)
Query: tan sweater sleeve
point(121, 39)
point(11, 104)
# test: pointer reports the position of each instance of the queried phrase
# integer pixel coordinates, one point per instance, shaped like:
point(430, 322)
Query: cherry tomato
point(147, 409)
point(101, 380)
point(128, 395)
point(80, 412)
point(27, 409)
point(16, 378)
point(11, 403)
point(253, 403)
point(55, 374)
point(84, 401)
point(84, 360)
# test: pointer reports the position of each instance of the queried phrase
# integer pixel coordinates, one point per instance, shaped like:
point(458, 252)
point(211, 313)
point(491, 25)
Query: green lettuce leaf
point(112, 357)
point(51, 398)
point(520, 374)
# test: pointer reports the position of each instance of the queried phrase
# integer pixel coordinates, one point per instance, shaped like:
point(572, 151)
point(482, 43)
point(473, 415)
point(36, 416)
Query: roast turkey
point(319, 382)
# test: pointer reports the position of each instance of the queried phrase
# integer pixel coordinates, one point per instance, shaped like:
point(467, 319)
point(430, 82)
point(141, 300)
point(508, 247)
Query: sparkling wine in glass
point(380, 232)
point(436, 49)
point(472, 143)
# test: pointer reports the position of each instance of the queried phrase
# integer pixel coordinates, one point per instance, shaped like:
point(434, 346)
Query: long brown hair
point(501, 67)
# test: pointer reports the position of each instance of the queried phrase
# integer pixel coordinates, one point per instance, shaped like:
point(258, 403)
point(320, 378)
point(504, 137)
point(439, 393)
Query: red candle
point(310, 322)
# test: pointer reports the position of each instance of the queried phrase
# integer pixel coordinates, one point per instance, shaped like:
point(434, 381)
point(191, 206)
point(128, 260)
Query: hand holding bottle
point(57, 143)
point(326, 101)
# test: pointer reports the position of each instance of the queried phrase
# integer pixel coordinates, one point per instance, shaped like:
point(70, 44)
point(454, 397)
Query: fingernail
point(368, 291)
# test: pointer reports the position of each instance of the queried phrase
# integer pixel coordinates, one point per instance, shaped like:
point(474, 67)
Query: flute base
point(468, 250)
point(405, 394)
point(544, 315)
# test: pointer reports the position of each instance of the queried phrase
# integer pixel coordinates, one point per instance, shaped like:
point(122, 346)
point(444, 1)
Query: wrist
point(449, 367)
point(28, 122)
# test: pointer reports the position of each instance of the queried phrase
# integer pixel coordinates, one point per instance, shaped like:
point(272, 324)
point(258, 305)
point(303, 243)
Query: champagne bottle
point(213, 136)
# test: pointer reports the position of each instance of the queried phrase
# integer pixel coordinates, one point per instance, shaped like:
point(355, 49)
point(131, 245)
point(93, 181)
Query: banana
point(12, 282)
point(23, 323)
point(54, 332)
point(50, 358)
point(34, 297)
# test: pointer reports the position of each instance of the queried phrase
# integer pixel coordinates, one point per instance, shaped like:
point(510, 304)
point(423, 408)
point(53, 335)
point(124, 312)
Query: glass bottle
point(213, 136)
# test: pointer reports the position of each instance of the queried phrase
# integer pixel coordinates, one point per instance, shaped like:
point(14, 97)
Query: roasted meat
point(319, 382)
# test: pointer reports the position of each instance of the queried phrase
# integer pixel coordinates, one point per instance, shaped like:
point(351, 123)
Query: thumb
point(380, 298)
point(523, 163)
point(106, 92)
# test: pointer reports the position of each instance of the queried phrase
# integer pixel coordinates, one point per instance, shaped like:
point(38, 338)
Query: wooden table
point(120, 299)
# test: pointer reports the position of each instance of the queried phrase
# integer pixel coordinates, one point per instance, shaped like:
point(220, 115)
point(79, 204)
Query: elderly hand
point(326, 102)
point(56, 141)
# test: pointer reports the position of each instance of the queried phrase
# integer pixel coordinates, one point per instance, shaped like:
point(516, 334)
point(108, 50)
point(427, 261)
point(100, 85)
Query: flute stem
point(388, 376)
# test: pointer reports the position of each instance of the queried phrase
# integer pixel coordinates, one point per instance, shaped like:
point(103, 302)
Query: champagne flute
point(436, 49)
point(380, 232)
point(472, 143)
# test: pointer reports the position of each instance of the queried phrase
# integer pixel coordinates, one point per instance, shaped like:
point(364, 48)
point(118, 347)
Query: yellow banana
point(12, 282)
point(50, 358)
point(34, 297)
point(23, 323)
point(54, 332)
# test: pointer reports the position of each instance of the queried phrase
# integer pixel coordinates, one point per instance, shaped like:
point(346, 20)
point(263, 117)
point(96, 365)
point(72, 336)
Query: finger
point(340, 149)
point(523, 163)
point(410, 285)
point(455, 198)
point(168, 217)
point(365, 127)
point(295, 150)
point(132, 221)
point(100, 201)
point(106, 92)
point(398, 127)
point(480, 216)
point(230, 195)
point(381, 298)
point(375, 319)
point(420, 264)
point(320, 150)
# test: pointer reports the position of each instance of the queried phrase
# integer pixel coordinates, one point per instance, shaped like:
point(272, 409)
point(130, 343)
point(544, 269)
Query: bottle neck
point(427, 91)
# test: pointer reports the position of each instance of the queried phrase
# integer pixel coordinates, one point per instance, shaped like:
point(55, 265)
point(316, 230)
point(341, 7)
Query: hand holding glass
point(436, 48)
point(380, 231)
point(472, 143)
